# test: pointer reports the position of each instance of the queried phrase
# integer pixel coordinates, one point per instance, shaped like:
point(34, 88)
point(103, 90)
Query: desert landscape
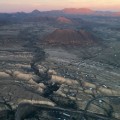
point(60, 65)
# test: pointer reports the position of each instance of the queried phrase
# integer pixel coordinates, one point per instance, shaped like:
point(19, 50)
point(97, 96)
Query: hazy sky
point(29, 5)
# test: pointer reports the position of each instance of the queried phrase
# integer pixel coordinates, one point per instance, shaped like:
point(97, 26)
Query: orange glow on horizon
point(29, 5)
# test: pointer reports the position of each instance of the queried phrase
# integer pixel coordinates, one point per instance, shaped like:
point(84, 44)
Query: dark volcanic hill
point(70, 37)
point(35, 12)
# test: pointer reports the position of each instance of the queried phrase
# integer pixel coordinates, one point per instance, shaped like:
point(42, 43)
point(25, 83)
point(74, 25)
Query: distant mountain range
point(86, 11)
point(59, 16)
point(72, 11)
point(79, 11)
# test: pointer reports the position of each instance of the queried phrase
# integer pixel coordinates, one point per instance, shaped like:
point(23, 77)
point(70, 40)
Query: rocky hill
point(64, 20)
point(70, 37)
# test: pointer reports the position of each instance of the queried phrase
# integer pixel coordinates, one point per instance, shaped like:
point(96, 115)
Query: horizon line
point(60, 10)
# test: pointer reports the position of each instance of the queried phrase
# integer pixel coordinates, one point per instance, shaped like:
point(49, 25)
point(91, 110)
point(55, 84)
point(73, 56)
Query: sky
point(44, 5)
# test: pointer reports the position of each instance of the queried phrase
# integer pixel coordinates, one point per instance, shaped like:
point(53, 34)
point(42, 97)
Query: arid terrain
point(59, 66)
